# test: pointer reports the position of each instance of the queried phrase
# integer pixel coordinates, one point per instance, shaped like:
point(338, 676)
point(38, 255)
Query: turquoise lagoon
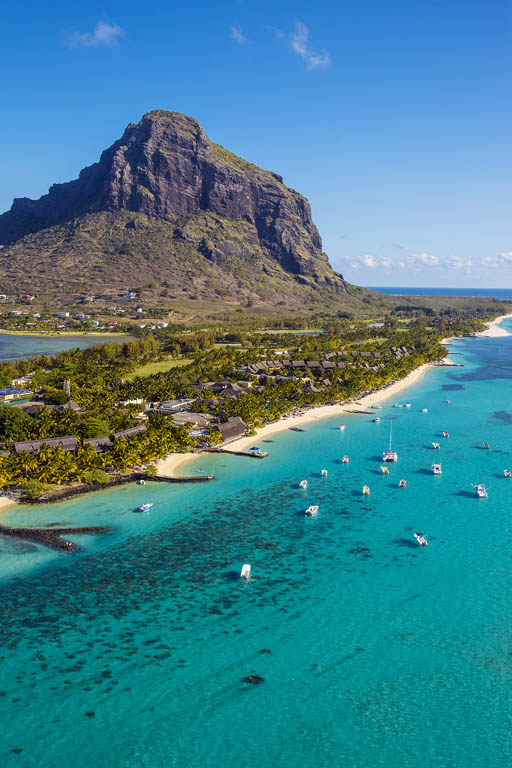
point(374, 652)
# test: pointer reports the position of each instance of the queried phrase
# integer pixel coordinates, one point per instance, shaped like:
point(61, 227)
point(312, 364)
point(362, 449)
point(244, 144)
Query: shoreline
point(170, 465)
point(70, 334)
point(493, 329)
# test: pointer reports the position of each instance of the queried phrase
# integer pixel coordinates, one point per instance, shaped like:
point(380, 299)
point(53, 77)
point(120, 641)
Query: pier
point(169, 479)
point(250, 454)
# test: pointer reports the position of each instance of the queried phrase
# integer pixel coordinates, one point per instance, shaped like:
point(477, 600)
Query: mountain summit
point(165, 205)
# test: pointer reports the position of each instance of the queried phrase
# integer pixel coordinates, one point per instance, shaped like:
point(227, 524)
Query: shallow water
point(14, 347)
point(374, 652)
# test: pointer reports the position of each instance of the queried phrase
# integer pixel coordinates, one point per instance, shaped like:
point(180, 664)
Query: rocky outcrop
point(166, 168)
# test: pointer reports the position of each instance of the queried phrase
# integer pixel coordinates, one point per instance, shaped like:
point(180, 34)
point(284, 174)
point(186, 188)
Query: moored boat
point(311, 511)
point(424, 410)
point(436, 469)
point(407, 405)
point(246, 571)
point(303, 484)
point(324, 473)
point(366, 490)
point(480, 490)
point(344, 460)
point(446, 434)
point(507, 473)
point(377, 406)
point(145, 507)
point(342, 427)
point(435, 445)
point(402, 484)
point(141, 482)
point(487, 446)
point(420, 538)
point(377, 420)
point(384, 470)
point(390, 455)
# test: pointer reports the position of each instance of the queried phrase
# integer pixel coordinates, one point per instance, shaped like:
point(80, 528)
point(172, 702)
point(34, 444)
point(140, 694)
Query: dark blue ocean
point(498, 293)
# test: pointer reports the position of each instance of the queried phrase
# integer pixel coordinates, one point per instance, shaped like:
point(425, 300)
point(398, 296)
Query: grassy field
point(159, 367)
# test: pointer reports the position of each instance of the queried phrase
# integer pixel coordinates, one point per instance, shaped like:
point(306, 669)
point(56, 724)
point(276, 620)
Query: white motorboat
point(435, 445)
point(366, 490)
point(507, 473)
point(480, 490)
point(141, 482)
point(376, 406)
point(390, 455)
point(448, 402)
point(402, 484)
point(420, 538)
point(344, 460)
point(311, 511)
point(303, 484)
point(436, 469)
point(397, 405)
point(324, 473)
point(424, 410)
point(342, 427)
point(145, 507)
point(376, 420)
point(487, 446)
point(246, 571)
point(384, 470)
point(407, 405)
point(446, 434)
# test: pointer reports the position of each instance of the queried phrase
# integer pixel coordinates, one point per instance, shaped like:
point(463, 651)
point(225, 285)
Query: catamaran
point(311, 511)
point(390, 455)
point(420, 538)
point(303, 484)
point(480, 490)
point(436, 469)
point(145, 507)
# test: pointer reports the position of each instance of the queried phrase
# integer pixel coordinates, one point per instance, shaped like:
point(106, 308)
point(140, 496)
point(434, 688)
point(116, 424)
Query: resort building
point(232, 429)
point(68, 443)
point(12, 393)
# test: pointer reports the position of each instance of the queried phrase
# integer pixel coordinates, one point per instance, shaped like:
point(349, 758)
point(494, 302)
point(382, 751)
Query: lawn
point(158, 367)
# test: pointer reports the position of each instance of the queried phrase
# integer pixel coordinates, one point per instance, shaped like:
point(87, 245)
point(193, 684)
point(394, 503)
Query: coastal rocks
point(254, 679)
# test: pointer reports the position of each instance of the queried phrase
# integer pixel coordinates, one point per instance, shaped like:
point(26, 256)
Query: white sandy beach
point(170, 465)
point(494, 329)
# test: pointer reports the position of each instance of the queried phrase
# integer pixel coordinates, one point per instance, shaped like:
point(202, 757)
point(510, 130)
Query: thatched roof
point(129, 432)
point(99, 443)
point(68, 443)
point(233, 428)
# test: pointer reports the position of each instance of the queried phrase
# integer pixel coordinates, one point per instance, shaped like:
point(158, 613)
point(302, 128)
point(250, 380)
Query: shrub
point(33, 489)
point(95, 477)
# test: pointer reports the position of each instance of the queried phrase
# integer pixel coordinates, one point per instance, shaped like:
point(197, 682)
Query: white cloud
point(235, 33)
point(299, 42)
point(104, 35)
point(423, 258)
point(279, 34)
point(371, 262)
point(458, 262)
point(502, 260)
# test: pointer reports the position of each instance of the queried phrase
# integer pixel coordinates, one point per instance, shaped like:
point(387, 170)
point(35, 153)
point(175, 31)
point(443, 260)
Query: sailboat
point(390, 455)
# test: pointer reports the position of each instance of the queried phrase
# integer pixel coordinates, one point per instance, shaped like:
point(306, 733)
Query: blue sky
point(393, 118)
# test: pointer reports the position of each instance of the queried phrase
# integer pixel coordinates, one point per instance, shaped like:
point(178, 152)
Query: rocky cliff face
point(166, 168)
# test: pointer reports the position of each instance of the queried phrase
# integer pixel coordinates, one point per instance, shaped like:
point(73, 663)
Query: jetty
point(250, 454)
point(171, 479)
point(51, 537)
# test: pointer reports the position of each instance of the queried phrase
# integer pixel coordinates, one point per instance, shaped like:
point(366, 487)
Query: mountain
point(168, 212)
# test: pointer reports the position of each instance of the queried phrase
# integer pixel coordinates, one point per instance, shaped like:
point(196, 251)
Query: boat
point(366, 490)
point(312, 510)
point(344, 460)
point(324, 473)
point(384, 470)
point(376, 420)
point(390, 455)
point(480, 490)
point(446, 434)
point(436, 469)
point(376, 406)
point(145, 507)
point(507, 473)
point(397, 405)
point(402, 484)
point(141, 482)
point(296, 429)
point(420, 538)
point(448, 402)
point(342, 427)
point(303, 484)
point(487, 446)
point(435, 445)
point(246, 571)
point(424, 410)
point(407, 405)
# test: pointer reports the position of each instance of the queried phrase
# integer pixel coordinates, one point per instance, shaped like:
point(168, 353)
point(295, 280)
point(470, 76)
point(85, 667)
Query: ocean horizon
point(498, 293)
